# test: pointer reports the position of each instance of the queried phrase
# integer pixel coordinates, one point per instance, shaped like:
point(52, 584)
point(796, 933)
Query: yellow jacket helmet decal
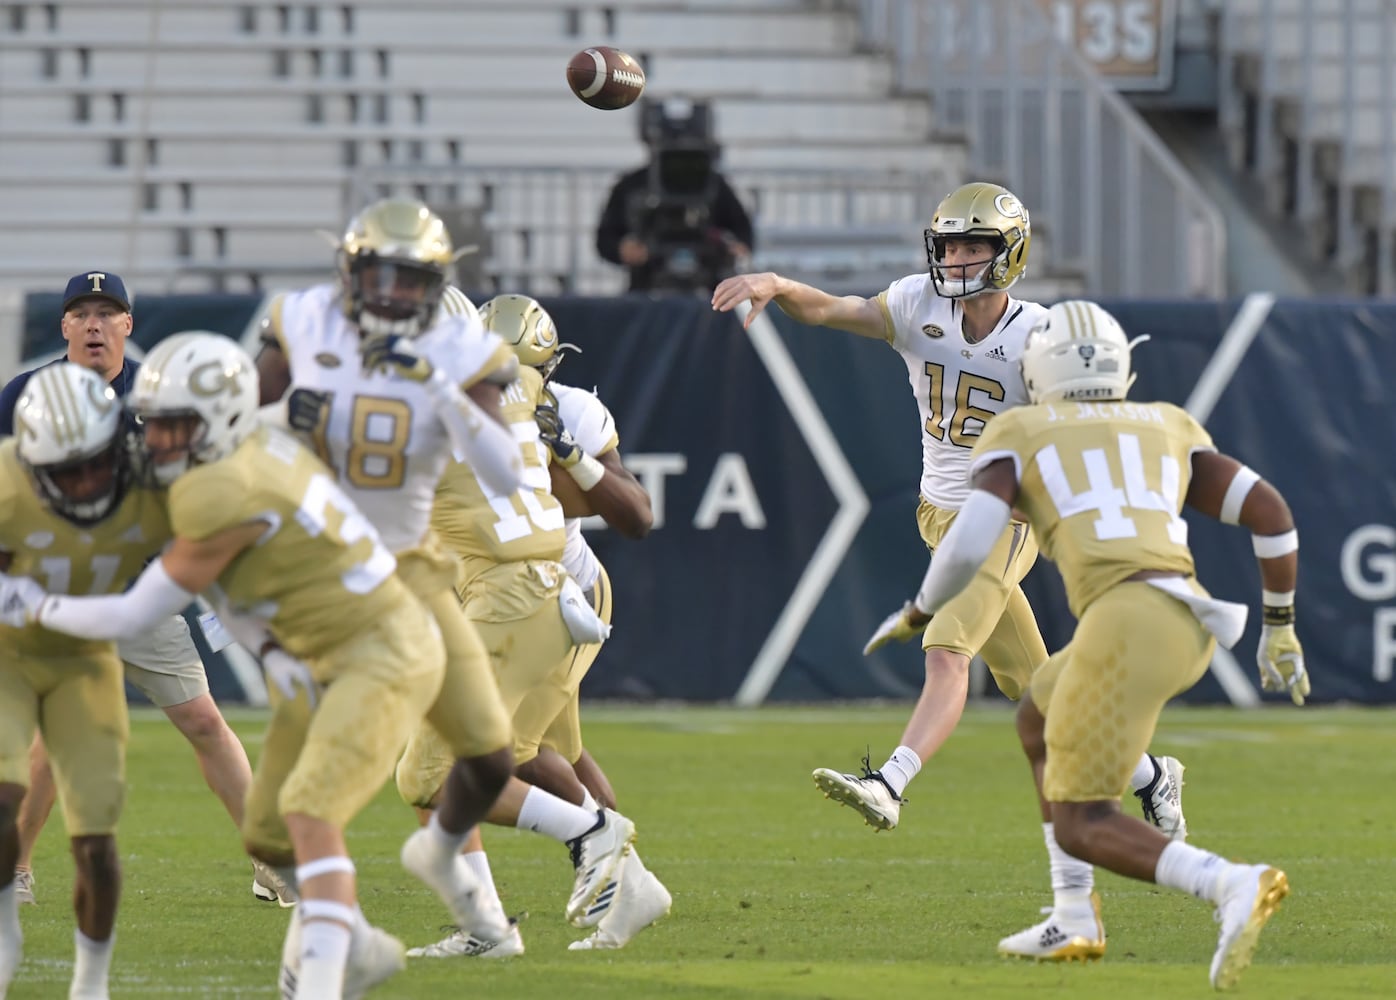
point(523, 324)
point(395, 261)
point(979, 211)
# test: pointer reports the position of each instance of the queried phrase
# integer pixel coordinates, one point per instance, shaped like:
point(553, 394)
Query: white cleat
point(1162, 798)
point(596, 856)
point(1060, 938)
point(472, 909)
point(640, 901)
point(11, 955)
point(374, 957)
point(1250, 895)
point(24, 887)
point(869, 795)
point(460, 944)
point(269, 887)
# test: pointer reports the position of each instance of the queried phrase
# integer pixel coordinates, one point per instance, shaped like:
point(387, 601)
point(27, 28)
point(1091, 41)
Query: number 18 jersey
point(1103, 485)
point(381, 436)
point(959, 386)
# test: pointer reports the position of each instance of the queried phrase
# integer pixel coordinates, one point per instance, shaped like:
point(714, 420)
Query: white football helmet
point(1077, 351)
point(68, 426)
point(202, 375)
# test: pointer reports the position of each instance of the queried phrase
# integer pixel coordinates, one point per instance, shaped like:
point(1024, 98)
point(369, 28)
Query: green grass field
point(779, 893)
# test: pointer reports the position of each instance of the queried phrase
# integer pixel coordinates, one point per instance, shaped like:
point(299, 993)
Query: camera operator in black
point(675, 223)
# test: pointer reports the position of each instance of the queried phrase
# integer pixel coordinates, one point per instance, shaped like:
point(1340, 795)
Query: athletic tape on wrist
point(587, 472)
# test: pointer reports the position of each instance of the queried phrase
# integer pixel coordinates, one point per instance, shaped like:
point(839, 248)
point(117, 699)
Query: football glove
point(899, 625)
point(1281, 661)
point(397, 354)
point(288, 673)
point(20, 598)
point(305, 409)
point(556, 435)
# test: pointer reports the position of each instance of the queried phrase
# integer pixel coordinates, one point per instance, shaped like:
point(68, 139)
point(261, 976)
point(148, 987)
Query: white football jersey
point(382, 436)
point(959, 386)
point(594, 430)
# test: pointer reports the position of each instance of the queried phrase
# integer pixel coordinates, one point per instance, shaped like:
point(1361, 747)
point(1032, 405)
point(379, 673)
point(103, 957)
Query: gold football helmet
point(395, 260)
point(979, 211)
point(525, 326)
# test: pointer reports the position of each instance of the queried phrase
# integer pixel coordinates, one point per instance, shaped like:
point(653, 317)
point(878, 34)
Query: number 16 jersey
point(959, 386)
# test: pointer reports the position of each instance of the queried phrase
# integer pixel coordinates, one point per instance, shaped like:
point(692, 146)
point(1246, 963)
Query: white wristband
point(1274, 546)
point(587, 472)
point(1276, 598)
point(1240, 488)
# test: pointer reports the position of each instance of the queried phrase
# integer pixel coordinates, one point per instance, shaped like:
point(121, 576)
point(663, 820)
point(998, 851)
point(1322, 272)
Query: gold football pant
point(330, 761)
point(991, 617)
point(531, 657)
point(79, 704)
point(1134, 648)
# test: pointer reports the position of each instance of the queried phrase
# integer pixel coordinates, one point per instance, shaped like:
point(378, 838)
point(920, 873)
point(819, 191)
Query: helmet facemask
point(392, 297)
point(179, 438)
point(86, 489)
point(968, 279)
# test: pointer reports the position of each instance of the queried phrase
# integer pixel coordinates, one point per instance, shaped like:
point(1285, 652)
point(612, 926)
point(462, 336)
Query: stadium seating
point(1309, 109)
point(188, 141)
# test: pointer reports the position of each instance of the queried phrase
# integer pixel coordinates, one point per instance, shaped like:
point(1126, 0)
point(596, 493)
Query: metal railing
point(1111, 200)
point(845, 230)
point(1336, 175)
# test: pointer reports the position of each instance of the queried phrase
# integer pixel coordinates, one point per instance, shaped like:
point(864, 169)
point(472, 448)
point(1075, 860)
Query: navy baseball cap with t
point(96, 285)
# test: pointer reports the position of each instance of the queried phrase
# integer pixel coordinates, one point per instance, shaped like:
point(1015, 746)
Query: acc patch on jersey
point(933, 331)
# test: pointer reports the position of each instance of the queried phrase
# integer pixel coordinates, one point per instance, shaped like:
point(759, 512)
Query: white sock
point(11, 936)
point(1144, 773)
point(549, 815)
point(589, 803)
point(900, 768)
point(324, 952)
point(92, 965)
point(444, 843)
point(1195, 871)
point(479, 864)
point(1072, 878)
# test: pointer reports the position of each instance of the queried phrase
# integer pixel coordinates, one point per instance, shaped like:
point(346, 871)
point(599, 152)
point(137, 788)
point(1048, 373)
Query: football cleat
point(1162, 798)
point(870, 795)
point(24, 886)
point(1250, 895)
point(472, 909)
point(1060, 938)
point(460, 943)
point(374, 957)
point(596, 857)
point(269, 887)
point(640, 901)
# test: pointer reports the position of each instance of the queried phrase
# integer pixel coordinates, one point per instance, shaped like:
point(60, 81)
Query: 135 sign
point(1130, 42)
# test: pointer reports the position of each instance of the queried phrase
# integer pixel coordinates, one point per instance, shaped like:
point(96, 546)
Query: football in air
point(605, 78)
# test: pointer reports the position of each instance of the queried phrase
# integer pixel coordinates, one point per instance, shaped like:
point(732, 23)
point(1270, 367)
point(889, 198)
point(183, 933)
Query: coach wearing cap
point(96, 323)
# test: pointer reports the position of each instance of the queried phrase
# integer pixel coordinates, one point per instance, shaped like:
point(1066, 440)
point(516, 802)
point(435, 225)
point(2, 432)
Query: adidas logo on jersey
point(997, 354)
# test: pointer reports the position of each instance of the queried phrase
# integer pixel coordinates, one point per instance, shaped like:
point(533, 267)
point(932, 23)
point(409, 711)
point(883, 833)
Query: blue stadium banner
point(784, 465)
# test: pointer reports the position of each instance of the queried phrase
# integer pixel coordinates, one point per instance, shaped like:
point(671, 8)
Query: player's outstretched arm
point(165, 587)
point(1225, 489)
point(801, 302)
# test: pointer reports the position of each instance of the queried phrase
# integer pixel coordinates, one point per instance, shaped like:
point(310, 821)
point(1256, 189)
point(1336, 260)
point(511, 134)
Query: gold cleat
point(1058, 939)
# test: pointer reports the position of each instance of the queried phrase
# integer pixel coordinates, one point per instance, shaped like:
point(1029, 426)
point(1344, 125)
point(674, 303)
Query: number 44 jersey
point(381, 435)
point(959, 385)
point(1103, 485)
